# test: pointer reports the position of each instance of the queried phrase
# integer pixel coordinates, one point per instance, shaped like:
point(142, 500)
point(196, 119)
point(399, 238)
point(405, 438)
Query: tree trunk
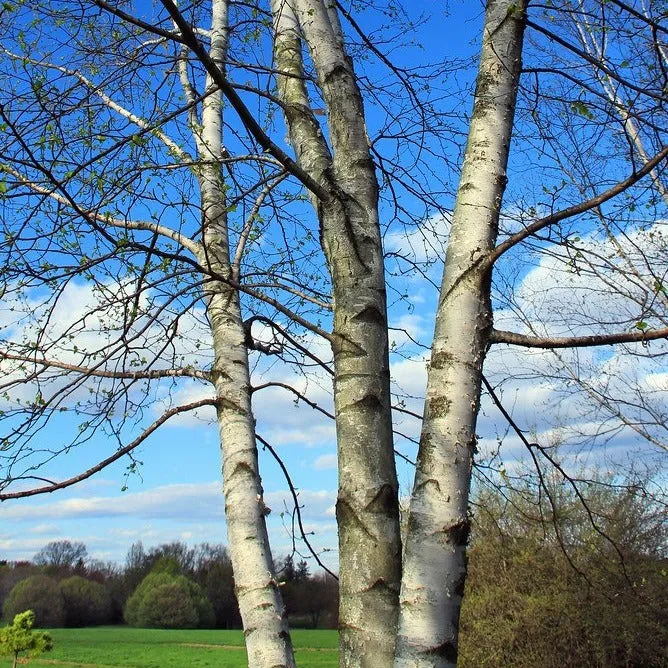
point(264, 619)
point(438, 522)
point(367, 505)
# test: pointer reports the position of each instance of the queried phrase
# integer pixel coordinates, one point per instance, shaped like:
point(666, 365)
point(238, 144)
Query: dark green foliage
point(87, 603)
point(578, 595)
point(111, 576)
point(167, 600)
point(169, 606)
point(311, 601)
point(208, 565)
point(40, 594)
point(218, 583)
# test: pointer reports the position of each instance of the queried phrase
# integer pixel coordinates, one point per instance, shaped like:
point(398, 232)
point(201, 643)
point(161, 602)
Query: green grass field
point(108, 646)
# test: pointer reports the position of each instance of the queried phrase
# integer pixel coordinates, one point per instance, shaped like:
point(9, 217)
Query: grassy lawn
point(125, 647)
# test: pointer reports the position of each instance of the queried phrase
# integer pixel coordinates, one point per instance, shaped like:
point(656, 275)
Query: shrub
point(166, 600)
point(170, 607)
point(87, 603)
point(536, 596)
point(40, 594)
point(19, 637)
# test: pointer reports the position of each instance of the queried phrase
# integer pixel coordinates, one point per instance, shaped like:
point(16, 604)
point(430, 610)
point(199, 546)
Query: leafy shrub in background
point(169, 606)
point(561, 587)
point(40, 594)
point(165, 599)
point(87, 603)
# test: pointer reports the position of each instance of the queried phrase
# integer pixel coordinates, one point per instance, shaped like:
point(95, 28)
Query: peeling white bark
point(265, 624)
point(367, 507)
point(438, 523)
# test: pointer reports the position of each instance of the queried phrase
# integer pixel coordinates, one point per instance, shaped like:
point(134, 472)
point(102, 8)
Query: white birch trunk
point(367, 505)
point(438, 523)
point(265, 624)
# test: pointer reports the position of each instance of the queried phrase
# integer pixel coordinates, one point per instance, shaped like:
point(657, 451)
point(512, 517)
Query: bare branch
point(148, 27)
point(100, 218)
point(110, 460)
point(515, 339)
point(299, 395)
point(593, 61)
point(297, 507)
point(250, 123)
point(639, 15)
point(103, 373)
point(248, 225)
point(575, 210)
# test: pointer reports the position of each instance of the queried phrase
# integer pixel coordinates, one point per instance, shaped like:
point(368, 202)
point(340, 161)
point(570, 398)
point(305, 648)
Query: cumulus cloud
point(585, 398)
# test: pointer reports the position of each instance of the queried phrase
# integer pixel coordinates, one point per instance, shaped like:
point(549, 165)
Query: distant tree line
point(557, 578)
point(169, 586)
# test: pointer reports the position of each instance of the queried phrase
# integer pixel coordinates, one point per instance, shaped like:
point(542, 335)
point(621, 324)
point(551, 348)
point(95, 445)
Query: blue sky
point(176, 493)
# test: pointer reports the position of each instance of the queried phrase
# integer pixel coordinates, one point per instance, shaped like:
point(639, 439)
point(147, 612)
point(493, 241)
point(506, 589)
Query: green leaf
point(580, 108)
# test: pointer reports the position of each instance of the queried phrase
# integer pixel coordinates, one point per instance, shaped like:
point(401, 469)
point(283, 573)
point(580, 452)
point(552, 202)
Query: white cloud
point(188, 512)
point(325, 462)
point(179, 501)
point(44, 529)
point(606, 286)
point(423, 243)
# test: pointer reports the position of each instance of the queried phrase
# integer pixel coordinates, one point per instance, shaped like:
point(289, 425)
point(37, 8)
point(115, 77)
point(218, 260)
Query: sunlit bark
point(438, 522)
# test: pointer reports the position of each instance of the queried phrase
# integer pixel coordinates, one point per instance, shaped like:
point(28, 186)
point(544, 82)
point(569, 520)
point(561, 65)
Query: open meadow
point(124, 647)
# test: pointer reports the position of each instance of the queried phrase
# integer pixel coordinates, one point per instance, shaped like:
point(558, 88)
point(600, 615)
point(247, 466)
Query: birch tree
point(144, 158)
point(367, 505)
point(76, 160)
point(438, 523)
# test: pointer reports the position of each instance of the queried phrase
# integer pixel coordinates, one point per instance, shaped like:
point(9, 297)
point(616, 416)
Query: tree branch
point(515, 339)
point(639, 15)
point(297, 393)
point(571, 481)
point(248, 225)
point(113, 105)
point(297, 507)
point(593, 61)
point(99, 218)
point(190, 39)
point(110, 460)
point(575, 210)
point(133, 20)
point(102, 373)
